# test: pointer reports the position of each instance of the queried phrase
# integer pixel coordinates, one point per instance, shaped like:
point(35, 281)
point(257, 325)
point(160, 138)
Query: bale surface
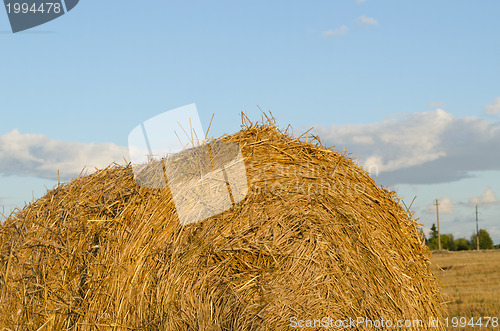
point(315, 237)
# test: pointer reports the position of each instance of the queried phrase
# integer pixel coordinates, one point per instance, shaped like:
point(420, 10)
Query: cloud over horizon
point(40, 156)
point(421, 148)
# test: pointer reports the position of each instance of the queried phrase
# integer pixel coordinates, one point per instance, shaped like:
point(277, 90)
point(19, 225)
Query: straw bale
point(314, 237)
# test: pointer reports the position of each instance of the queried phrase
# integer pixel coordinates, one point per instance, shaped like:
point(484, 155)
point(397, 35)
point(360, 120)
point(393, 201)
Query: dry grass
point(471, 282)
point(314, 237)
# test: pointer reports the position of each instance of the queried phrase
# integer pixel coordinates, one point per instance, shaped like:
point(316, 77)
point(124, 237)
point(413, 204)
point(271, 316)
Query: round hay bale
point(314, 240)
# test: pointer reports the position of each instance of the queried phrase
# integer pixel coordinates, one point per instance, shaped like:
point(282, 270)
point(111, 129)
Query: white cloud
point(494, 232)
point(363, 139)
point(488, 198)
point(421, 148)
point(445, 206)
point(337, 32)
point(494, 107)
point(39, 156)
point(360, 1)
point(366, 21)
point(414, 140)
point(437, 104)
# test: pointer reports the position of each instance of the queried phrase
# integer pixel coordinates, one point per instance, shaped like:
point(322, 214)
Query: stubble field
point(471, 285)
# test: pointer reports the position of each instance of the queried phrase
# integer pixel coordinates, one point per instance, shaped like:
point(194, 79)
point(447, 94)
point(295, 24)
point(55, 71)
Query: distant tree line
point(460, 244)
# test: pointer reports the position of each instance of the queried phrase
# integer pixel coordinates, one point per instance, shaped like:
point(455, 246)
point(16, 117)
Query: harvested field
point(471, 281)
point(314, 237)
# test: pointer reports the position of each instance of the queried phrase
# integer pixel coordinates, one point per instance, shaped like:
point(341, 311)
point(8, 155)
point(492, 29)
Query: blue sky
point(410, 88)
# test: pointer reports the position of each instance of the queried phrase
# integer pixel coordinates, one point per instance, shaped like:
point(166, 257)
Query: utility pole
point(439, 231)
point(477, 231)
